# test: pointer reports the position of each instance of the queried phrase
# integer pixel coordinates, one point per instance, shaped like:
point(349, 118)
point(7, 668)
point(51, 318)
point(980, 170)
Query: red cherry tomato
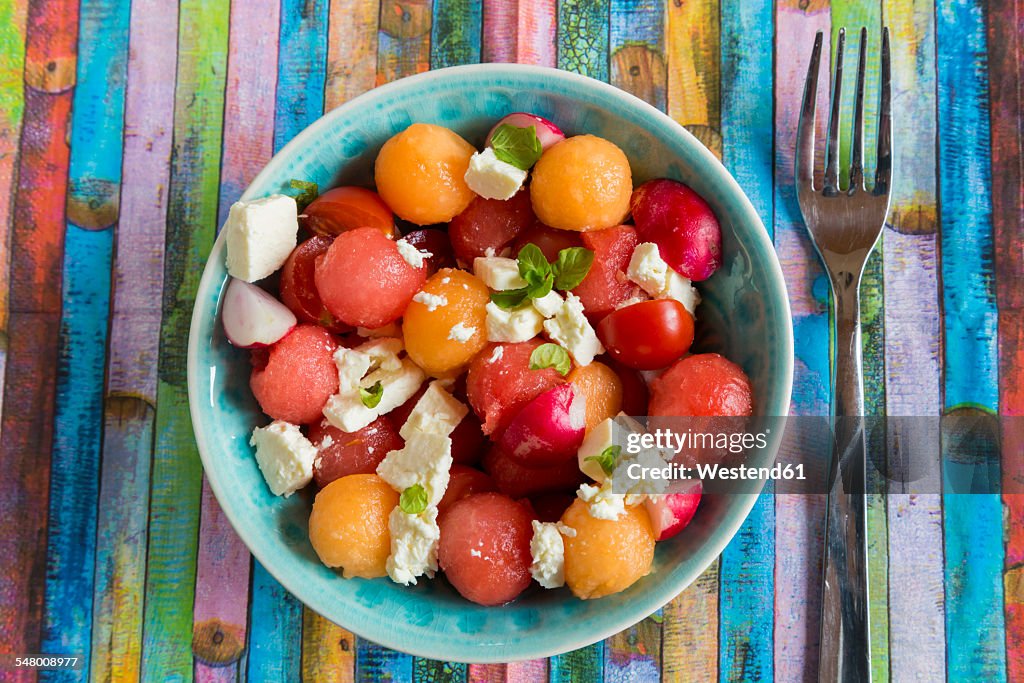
point(490, 224)
point(436, 243)
point(647, 335)
point(346, 208)
point(550, 240)
point(298, 285)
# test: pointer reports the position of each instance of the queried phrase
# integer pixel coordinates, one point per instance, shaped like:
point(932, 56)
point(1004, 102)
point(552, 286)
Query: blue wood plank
point(94, 178)
point(455, 33)
point(375, 663)
point(275, 628)
point(975, 622)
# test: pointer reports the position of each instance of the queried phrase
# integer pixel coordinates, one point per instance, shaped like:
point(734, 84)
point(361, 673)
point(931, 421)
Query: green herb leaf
point(308, 191)
point(533, 267)
point(542, 288)
point(607, 459)
point(550, 356)
point(511, 298)
point(413, 500)
point(371, 397)
point(517, 146)
point(572, 266)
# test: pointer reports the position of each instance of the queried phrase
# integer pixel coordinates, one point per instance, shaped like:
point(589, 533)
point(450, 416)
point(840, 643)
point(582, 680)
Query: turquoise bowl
point(745, 310)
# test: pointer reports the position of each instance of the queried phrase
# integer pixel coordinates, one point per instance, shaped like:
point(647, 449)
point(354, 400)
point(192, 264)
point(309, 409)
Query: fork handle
point(844, 651)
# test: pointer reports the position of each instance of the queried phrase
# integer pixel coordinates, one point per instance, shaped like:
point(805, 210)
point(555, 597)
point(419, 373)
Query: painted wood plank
point(328, 651)
point(748, 562)
point(13, 15)
point(351, 50)
point(434, 671)
point(34, 292)
point(585, 664)
point(275, 623)
point(403, 42)
point(500, 30)
point(694, 84)
point(94, 177)
point(375, 663)
point(455, 33)
point(975, 624)
point(191, 222)
point(122, 516)
point(1005, 27)
point(689, 650)
point(529, 671)
point(916, 598)
point(799, 519)
point(536, 41)
point(583, 37)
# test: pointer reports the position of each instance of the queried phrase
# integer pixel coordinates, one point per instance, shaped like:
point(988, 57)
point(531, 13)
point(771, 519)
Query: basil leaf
point(517, 146)
point(572, 266)
point(541, 289)
point(533, 267)
point(371, 397)
point(607, 459)
point(308, 191)
point(550, 356)
point(510, 298)
point(413, 500)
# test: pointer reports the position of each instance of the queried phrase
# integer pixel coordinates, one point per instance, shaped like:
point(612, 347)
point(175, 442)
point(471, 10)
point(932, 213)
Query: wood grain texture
point(13, 15)
point(689, 650)
point(455, 33)
point(191, 222)
point(536, 34)
point(748, 562)
point(583, 37)
point(328, 651)
point(694, 80)
point(403, 44)
point(351, 50)
point(1005, 28)
point(37, 237)
point(500, 30)
point(916, 599)
point(376, 663)
point(275, 628)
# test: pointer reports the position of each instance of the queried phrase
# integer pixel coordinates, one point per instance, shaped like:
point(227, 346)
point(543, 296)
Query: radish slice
point(671, 513)
point(549, 429)
point(252, 318)
point(547, 132)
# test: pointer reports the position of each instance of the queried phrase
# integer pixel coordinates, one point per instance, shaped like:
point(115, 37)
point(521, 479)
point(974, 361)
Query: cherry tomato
point(647, 335)
point(490, 224)
point(298, 285)
point(634, 389)
point(346, 208)
point(550, 240)
point(436, 243)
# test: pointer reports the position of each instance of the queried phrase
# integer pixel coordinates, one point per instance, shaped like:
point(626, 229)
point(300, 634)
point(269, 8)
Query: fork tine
point(832, 149)
point(805, 131)
point(857, 160)
point(883, 172)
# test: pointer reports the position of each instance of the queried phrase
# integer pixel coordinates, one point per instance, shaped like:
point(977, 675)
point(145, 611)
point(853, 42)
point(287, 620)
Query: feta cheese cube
point(413, 256)
point(601, 502)
point(352, 366)
point(285, 457)
point(431, 301)
point(570, 328)
point(498, 273)
point(425, 459)
point(548, 551)
point(346, 411)
point(549, 304)
point(414, 541)
point(461, 332)
point(437, 412)
point(515, 325)
point(492, 178)
point(657, 278)
point(259, 236)
point(600, 437)
point(383, 353)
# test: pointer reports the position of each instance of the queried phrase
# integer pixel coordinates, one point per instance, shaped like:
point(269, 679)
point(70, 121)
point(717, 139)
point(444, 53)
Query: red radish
point(681, 223)
point(252, 318)
point(670, 513)
point(548, 429)
point(547, 132)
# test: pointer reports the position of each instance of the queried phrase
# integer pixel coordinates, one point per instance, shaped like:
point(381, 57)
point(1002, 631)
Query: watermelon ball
point(500, 382)
point(299, 376)
point(363, 280)
point(485, 547)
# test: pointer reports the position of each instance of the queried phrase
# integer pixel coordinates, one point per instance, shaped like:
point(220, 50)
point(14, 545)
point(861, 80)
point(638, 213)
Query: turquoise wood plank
point(375, 663)
point(975, 622)
point(94, 178)
point(275, 628)
point(455, 33)
point(583, 37)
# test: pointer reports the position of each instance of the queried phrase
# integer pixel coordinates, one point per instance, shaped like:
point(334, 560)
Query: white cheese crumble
point(414, 541)
point(657, 278)
point(601, 501)
point(431, 301)
point(496, 354)
point(437, 412)
point(259, 236)
point(498, 273)
point(515, 325)
point(461, 332)
point(413, 256)
point(600, 437)
point(548, 551)
point(549, 304)
point(285, 457)
point(362, 367)
point(425, 460)
point(570, 328)
point(492, 178)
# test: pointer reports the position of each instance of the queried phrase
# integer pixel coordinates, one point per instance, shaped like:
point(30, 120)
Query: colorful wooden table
point(128, 128)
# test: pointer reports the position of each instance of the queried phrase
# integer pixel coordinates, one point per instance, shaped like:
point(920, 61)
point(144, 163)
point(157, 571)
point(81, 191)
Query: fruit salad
point(445, 359)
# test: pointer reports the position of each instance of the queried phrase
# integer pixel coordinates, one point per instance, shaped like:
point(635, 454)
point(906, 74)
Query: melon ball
point(446, 324)
point(420, 174)
point(299, 377)
point(606, 556)
point(349, 524)
point(582, 183)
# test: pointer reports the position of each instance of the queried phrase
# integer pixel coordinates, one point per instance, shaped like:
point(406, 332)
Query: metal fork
point(845, 224)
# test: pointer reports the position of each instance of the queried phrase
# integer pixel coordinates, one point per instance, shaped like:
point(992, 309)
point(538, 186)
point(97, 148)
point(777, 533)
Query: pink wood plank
point(535, 36)
point(499, 30)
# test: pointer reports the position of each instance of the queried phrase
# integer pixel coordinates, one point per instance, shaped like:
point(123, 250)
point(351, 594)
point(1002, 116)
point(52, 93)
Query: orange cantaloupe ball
point(582, 183)
point(603, 389)
point(606, 556)
point(349, 524)
point(420, 174)
point(429, 338)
